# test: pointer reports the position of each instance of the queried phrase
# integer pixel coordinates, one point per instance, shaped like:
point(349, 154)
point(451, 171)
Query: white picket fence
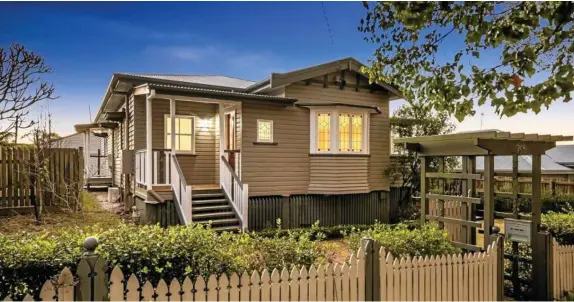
point(454, 277)
point(471, 277)
point(563, 261)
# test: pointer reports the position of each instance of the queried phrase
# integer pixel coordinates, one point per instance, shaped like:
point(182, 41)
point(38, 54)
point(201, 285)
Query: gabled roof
point(122, 83)
point(562, 154)
point(209, 80)
point(347, 64)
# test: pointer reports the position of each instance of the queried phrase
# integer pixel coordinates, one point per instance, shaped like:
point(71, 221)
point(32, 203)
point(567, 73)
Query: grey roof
point(211, 80)
point(504, 163)
point(563, 154)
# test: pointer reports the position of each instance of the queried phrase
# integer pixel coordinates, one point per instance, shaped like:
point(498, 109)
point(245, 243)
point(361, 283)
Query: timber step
point(195, 202)
point(203, 216)
point(207, 195)
point(210, 206)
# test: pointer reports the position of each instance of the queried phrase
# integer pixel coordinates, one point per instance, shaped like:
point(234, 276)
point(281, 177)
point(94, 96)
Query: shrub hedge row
point(150, 252)
point(403, 240)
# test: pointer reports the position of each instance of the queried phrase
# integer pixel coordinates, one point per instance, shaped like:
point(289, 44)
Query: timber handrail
point(181, 190)
point(236, 191)
point(233, 174)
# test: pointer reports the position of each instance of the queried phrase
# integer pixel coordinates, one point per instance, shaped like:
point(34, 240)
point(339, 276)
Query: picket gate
point(563, 270)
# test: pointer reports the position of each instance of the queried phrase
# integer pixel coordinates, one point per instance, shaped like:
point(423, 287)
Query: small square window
point(264, 131)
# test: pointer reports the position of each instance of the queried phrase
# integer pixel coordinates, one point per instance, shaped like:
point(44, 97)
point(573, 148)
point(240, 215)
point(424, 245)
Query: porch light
point(204, 124)
point(100, 131)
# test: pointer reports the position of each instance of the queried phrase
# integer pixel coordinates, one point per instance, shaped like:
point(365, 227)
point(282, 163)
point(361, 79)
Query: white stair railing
point(181, 190)
point(235, 190)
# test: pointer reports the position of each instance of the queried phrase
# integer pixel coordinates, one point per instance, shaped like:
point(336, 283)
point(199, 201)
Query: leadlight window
point(265, 131)
point(323, 132)
point(349, 134)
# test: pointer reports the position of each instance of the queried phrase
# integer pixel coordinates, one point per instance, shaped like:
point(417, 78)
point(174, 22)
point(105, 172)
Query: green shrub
point(404, 240)
point(557, 203)
point(150, 252)
point(561, 225)
point(315, 232)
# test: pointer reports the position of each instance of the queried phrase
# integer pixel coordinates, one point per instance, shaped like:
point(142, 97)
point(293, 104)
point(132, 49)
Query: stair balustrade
point(235, 189)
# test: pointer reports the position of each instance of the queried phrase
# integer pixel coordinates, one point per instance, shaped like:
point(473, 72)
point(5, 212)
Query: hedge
point(561, 225)
point(150, 252)
point(557, 203)
point(403, 240)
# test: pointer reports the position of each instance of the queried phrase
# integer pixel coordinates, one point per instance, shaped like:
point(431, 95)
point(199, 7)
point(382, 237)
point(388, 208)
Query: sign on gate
point(517, 230)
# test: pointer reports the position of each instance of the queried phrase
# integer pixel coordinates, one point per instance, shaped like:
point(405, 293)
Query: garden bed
point(93, 214)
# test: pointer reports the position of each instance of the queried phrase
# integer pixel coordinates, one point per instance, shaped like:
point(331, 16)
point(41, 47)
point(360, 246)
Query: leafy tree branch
point(418, 51)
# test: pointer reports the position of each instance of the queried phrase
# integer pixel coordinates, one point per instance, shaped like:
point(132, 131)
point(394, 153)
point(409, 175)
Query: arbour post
point(92, 277)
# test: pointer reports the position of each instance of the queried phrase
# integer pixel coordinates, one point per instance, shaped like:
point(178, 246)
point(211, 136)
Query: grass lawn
point(480, 237)
point(53, 222)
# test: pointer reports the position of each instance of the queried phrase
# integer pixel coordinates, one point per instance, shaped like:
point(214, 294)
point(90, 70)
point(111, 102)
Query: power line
point(327, 23)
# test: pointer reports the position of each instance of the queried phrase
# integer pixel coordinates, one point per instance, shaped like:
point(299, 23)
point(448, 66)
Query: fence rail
point(52, 177)
point(563, 261)
point(369, 274)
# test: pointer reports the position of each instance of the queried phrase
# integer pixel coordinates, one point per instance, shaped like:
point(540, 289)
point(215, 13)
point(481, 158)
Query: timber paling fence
point(370, 274)
point(563, 261)
point(23, 178)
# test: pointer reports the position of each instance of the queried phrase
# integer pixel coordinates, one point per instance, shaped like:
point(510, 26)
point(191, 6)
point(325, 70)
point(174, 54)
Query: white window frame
point(334, 146)
point(260, 140)
point(193, 129)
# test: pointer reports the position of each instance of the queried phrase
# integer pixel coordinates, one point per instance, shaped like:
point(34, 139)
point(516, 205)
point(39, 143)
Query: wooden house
point(305, 145)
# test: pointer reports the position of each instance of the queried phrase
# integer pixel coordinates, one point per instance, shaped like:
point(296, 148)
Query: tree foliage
point(419, 50)
point(415, 119)
point(21, 86)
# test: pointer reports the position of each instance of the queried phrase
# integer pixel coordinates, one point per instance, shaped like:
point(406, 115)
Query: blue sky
point(86, 42)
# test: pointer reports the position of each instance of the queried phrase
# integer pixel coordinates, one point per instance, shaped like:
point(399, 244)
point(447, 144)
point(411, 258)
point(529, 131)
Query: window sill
point(266, 143)
point(339, 155)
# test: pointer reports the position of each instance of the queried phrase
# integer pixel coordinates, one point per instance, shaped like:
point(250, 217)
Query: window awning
point(374, 108)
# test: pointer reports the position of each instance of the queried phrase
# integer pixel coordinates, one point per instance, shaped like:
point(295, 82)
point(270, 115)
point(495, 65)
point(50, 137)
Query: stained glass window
point(357, 136)
point(265, 131)
point(184, 133)
point(323, 132)
point(344, 132)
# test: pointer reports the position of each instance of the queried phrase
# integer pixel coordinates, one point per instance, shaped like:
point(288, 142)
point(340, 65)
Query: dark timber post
point(515, 214)
point(499, 274)
point(424, 188)
point(92, 277)
point(372, 269)
point(541, 240)
point(488, 198)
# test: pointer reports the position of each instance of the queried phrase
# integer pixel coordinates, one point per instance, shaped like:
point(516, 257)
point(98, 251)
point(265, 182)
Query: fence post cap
point(543, 227)
point(495, 229)
point(90, 244)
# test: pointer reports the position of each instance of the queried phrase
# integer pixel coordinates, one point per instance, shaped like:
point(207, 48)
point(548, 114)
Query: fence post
point(499, 239)
point(542, 268)
point(372, 269)
point(92, 277)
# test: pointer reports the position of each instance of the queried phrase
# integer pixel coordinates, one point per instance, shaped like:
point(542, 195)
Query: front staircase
point(212, 206)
